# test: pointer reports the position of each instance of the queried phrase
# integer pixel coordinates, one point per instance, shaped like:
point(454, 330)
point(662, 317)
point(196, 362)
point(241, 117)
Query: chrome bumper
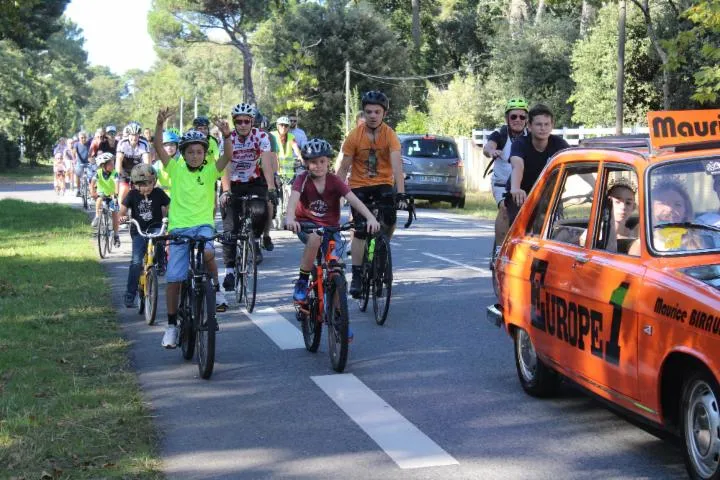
point(494, 315)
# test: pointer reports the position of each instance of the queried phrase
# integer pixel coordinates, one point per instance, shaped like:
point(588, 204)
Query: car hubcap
point(527, 356)
point(703, 425)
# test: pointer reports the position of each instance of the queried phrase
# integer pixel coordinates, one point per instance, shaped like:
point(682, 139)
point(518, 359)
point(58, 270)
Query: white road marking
point(395, 244)
point(401, 440)
point(278, 328)
point(485, 271)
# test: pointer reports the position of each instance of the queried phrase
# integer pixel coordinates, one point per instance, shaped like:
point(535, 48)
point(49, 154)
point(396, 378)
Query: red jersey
point(320, 208)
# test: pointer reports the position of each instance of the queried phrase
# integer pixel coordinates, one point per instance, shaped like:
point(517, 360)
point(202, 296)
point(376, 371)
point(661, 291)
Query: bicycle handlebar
point(312, 228)
point(146, 233)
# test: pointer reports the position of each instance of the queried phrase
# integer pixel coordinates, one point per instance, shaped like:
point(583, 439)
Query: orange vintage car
point(610, 277)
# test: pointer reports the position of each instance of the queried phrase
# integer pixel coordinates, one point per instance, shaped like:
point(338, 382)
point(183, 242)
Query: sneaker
point(356, 285)
point(129, 300)
point(229, 282)
point(220, 302)
point(116, 241)
point(170, 338)
point(351, 335)
point(258, 254)
point(268, 244)
point(300, 292)
point(95, 222)
point(77, 193)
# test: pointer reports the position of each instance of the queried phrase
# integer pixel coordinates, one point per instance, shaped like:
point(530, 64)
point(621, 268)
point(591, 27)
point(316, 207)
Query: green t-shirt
point(163, 179)
point(106, 184)
point(213, 153)
point(193, 200)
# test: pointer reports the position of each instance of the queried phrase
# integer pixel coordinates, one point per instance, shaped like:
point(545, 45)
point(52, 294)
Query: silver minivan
point(433, 168)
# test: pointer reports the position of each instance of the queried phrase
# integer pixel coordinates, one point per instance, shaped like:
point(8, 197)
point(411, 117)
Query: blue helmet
point(170, 137)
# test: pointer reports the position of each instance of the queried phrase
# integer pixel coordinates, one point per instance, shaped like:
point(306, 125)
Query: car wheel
point(700, 422)
point(461, 202)
point(535, 377)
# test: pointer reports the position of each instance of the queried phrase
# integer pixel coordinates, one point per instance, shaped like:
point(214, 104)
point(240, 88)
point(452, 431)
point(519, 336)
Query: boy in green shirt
point(103, 187)
point(193, 178)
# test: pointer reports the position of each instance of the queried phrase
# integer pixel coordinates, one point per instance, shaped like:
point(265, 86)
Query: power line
point(414, 77)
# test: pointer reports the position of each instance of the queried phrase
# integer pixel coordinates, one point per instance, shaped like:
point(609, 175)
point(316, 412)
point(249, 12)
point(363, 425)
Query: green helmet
point(173, 130)
point(518, 103)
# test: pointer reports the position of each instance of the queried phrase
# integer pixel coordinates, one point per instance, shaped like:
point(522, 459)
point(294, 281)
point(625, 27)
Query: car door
point(567, 319)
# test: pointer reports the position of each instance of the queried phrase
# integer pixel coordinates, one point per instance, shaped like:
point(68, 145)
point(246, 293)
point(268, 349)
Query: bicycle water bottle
point(371, 249)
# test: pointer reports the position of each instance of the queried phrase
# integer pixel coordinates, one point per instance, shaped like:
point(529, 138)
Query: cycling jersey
point(132, 155)
point(163, 179)
point(286, 158)
point(106, 182)
point(246, 156)
point(371, 158)
point(501, 166)
point(213, 152)
point(193, 201)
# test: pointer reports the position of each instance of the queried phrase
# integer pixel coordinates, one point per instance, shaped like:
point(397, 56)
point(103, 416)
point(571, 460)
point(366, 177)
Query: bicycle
point(85, 189)
point(327, 299)
point(148, 280)
point(283, 186)
point(376, 272)
point(105, 231)
point(196, 313)
point(245, 260)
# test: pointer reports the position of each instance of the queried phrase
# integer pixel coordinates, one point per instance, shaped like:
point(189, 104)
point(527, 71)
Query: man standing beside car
point(529, 155)
point(498, 149)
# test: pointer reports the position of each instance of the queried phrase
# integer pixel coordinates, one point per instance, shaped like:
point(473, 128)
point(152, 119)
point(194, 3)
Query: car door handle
point(581, 259)
point(534, 248)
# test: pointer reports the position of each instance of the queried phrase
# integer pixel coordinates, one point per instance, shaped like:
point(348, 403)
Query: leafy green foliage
point(414, 121)
point(28, 23)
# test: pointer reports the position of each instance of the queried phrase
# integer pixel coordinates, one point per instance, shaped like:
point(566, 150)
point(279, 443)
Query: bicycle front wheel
point(205, 321)
point(151, 295)
point(187, 330)
point(84, 193)
point(337, 319)
point(365, 279)
point(250, 276)
point(108, 231)
point(102, 249)
point(381, 282)
point(312, 322)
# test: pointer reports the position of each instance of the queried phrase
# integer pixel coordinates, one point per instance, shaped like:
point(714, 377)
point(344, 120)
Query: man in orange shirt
point(371, 153)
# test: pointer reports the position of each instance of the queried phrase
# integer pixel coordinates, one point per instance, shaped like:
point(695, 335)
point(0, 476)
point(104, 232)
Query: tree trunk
point(416, 23)
point(540, 11)
point(517, 15)
point(620, 94)
point(248, 87)
point(586, 17)
point(655, 41)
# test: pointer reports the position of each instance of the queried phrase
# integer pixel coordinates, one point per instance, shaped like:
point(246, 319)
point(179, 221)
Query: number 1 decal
point(612, 347)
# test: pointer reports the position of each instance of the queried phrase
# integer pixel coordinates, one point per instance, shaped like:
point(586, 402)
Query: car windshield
point(684, 201)
point(428, 148)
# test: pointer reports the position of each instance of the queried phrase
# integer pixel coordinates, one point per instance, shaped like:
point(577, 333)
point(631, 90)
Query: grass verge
point(41, 172)
point(477, 204)
point(70, 405)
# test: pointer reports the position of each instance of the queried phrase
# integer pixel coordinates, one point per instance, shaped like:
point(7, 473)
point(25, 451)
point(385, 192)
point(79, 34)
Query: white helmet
point(283, 121)
point(244, 109)
point(103, 158)
point(134, 128)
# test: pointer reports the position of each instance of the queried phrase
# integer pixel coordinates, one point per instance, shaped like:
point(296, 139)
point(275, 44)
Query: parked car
point(433, 168)
point(610, 277)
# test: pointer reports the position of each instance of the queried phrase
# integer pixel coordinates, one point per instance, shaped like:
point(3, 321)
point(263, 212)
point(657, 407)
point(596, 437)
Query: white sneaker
point(95, 221)
point(170, 339)
point(220, 302)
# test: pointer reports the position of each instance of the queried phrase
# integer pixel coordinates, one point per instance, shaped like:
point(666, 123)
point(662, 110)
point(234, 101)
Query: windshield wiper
point(701, 226)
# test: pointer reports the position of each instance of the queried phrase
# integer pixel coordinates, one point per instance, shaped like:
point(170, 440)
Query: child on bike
point(315, 199)
point(103, 187)
point(148, 205)
point(170, 144)
point(59, 171)
point(193, 179)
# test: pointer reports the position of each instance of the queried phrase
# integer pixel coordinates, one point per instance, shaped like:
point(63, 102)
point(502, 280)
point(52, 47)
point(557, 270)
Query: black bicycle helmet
point(201, 122)
point(316, 147)
point(375, 97)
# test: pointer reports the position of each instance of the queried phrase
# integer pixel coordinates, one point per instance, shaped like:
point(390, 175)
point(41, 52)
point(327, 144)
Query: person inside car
point(621, 194)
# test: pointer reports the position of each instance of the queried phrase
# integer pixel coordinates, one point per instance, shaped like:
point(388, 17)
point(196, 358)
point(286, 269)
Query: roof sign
point(681, 127)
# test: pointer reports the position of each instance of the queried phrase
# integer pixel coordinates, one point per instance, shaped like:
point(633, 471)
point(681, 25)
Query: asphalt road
point(433, 394)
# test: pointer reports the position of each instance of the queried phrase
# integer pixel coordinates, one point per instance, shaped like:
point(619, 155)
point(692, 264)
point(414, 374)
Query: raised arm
point(162, 116)
point(227, 145)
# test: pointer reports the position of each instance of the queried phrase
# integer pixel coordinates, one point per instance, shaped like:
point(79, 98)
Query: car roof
point(412, 136)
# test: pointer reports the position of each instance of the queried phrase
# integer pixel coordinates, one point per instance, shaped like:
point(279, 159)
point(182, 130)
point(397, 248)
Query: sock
point(172, 319)
point(304, 275)
point(356, 270)
point(229, 270)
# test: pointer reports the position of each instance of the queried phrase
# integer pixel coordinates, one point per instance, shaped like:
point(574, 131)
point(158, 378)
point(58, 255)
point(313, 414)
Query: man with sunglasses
point(250, 172)
point(498, 149)
point(298, 133)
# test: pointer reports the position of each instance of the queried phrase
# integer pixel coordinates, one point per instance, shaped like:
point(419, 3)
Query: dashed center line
point(278, 328)
point(486, 272)
point(404, 443)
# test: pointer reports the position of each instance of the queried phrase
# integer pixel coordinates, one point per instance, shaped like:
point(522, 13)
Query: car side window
point(537, 219)
point(617, 224)
point(571, 216)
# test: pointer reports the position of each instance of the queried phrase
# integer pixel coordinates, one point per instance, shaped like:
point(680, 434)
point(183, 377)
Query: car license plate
point(431, 178)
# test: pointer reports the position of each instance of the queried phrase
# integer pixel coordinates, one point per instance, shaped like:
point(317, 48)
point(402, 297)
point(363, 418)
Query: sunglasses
point(242, 121)
point(141, 184)
point(515, 117)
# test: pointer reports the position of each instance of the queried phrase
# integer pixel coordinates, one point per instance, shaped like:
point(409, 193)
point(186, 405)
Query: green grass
point(41, 172)
point(70, 405)
point(477, 204)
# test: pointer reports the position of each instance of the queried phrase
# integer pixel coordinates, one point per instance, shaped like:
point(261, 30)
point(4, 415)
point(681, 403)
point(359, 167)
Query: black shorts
point(258, 207)
point(377, 193)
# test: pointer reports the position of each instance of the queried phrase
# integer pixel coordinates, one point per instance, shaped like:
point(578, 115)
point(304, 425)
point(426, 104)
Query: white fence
point(476, 163)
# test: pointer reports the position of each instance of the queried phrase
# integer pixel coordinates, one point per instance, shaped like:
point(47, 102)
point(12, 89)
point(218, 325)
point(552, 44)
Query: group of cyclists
point(185, 178)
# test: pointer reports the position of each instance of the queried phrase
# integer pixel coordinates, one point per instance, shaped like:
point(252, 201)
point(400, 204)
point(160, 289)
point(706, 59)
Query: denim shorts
point(339, 243)
point(179, 261)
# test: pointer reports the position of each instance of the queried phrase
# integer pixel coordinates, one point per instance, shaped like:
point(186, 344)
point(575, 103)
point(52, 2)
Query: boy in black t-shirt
point(529, 155)
point(149, 206)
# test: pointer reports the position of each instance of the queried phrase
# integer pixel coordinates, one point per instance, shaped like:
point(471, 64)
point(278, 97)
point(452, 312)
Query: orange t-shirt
point(371, 159)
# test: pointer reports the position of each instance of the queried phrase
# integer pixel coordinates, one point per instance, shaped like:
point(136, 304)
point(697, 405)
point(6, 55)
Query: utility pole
point(347, 97)
point(181, 115)
point(620, 94)
point(195, 107)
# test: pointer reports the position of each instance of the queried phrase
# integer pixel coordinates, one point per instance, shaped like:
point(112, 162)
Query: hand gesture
point(224, 127)
point(373, 225)
point(164, 114)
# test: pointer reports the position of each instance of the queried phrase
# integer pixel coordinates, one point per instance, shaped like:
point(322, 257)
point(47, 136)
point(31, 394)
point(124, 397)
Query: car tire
point(700, 425)
point(536, 378)
point(461, 202)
